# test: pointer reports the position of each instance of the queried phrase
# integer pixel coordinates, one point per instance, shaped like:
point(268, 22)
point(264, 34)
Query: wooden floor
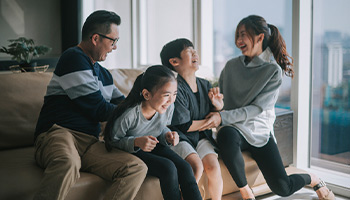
point(303, 194)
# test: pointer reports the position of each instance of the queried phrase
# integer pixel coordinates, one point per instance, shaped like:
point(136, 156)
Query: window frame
point(301, 98)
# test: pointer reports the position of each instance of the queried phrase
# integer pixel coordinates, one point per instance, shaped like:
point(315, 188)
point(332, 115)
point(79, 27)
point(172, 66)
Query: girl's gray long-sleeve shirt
point(132, 124)
point(250, 93)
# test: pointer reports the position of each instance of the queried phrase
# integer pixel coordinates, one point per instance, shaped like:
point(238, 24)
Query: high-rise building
point(335, 64)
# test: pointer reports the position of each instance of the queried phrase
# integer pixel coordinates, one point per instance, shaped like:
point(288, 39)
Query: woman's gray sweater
point(250, 93)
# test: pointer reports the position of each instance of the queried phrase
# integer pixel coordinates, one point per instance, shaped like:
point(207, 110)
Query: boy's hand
point(146, 143)
point(216, 98)
point(172, 138)
point(213, 120)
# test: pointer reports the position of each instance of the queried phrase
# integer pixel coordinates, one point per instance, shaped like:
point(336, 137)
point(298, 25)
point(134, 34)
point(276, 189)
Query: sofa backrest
point(124, 78)
point(22, 96)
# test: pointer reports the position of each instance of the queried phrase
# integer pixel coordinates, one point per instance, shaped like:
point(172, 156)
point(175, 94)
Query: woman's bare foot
point(323, 192)
point(246, 192)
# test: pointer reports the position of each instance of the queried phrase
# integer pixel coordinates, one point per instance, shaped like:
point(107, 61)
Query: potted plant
point(23, 51)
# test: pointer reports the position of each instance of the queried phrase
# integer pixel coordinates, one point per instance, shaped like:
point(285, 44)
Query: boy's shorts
point(184, 149)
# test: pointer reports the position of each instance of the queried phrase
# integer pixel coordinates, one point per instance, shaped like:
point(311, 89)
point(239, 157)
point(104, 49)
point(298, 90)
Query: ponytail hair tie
point(269, 29)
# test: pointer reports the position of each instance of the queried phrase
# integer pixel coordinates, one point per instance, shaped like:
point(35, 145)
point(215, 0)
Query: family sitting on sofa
point(163, 127)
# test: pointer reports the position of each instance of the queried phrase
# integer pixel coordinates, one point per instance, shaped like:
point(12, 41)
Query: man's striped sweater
point(79, 95)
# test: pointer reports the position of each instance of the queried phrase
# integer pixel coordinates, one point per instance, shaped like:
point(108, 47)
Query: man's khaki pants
point(63, 152)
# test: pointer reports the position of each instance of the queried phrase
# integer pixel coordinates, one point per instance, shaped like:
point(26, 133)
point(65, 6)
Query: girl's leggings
point(172, 171)
point(231, 144)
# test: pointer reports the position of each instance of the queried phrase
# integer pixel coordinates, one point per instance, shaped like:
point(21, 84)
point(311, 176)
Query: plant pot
point(28, 67)
point(19, 69)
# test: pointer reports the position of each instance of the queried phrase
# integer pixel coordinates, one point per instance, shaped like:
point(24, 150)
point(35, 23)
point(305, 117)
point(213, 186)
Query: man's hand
point(213, 120)
point(146, 143)
point(216, 98)
point(172, 138)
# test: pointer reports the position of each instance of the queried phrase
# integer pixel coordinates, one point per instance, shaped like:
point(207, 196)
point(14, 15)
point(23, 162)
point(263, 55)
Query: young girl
point(250, 84)
point(138, 126)
point(196, 99)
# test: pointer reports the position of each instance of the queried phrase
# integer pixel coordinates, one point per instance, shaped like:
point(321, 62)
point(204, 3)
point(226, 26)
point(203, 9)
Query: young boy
point(195, 100)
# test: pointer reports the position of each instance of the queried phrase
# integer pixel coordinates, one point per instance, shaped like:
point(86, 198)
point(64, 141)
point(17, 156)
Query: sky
point(335, 14)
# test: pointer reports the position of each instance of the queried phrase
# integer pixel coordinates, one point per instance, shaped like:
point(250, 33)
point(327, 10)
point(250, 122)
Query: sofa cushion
point(21, 98)
point(124, 78)
point(150, 189)
point(20, 178)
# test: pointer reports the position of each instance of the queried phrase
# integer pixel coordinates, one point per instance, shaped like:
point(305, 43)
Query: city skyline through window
point(330, 123)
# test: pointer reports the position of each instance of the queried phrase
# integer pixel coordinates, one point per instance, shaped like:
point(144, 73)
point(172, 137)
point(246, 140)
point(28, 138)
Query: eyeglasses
point(114, 40)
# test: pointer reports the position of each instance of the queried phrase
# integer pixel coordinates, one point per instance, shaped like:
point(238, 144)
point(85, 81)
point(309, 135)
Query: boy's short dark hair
point(173, 50)
point(99, 22)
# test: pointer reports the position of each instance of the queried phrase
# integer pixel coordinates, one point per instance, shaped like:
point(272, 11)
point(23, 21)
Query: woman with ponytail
point(250, 84)
point(139, 126)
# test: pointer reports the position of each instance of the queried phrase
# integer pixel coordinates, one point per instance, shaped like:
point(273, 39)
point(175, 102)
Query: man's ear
point(174, 62)
point(94, 39)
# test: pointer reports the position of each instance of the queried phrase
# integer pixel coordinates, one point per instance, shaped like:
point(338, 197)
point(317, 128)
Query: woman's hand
point(216, 98)
point(146, 143)
point(213, 120)
point(172, 138)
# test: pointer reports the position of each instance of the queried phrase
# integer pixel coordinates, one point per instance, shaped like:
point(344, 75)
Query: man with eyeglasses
point(80, 95)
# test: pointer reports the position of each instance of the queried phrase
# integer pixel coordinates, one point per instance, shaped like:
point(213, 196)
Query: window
point(330, 124)
point(147, 25)
point(161, 22)
point(227, 15)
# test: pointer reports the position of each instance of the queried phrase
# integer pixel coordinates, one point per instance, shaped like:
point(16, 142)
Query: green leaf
point(23, 49)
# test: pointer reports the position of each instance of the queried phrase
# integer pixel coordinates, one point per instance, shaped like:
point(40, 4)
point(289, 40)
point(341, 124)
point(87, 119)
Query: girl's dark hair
point(99, 22)
point(152, 79)
point(256, 25)
point(173, 50)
